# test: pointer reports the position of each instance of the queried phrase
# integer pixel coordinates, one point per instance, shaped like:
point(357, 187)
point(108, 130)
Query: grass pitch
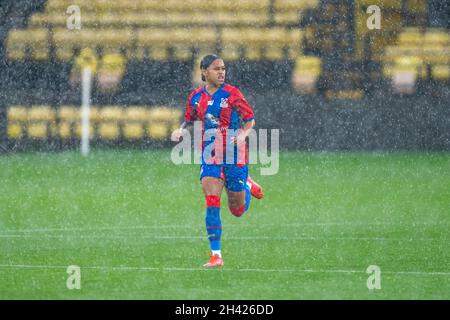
point(134, 223)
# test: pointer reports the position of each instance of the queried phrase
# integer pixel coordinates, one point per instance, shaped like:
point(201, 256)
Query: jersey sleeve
point(243, 107)
point(189, 115)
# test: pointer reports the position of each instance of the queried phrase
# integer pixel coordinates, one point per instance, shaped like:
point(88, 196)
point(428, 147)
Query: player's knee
point(237, 211)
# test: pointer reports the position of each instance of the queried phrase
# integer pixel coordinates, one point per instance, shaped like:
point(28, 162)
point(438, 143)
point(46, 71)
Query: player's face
point(215, 73)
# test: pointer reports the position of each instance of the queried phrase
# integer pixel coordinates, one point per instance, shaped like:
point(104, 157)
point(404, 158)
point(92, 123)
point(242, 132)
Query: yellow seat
point(158, 131)
point(14, 130)
point(287, 17)
point(94, 119)
point(19, 41)
point(156, 41)
point(410, 64)
point(438, 38)
point(41, 113)
point(440, 72)
point(109, 131)
point(153, 43)
point(17, 113)
point(163, 114)
point(286, 5)
point(65, 130)
point(38, 131)
point(38, 20)
point(67, 116)
point(255, 41)
point(435, 54)
point(305, 74)
point(391, 53)
point(69, 113)
point(161, 119)
point(133, 131)
point(135, 119)
point(79, 129)
point(17, 117)
point(410, 38)
point(139, 114)
point(295, 43)
point(307, 65)
point(61, 6)
point(236, 39)
point(110, 119)
point(391, 4)
point(108, 40)
point(41, 122)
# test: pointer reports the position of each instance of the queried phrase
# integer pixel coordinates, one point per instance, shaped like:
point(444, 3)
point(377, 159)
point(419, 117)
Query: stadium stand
point(418, 56)
point(107, 122)
point(146, 52)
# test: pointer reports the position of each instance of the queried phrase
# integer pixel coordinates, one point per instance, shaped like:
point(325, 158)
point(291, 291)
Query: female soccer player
point(227, 120)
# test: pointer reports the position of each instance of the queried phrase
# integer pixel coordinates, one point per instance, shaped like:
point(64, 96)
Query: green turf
point(134, 223)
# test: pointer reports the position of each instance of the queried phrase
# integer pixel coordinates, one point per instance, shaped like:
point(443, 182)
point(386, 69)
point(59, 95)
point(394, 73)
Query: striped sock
point(213, 223)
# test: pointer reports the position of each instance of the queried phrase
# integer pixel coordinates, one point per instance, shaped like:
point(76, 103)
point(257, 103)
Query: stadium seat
point(286, 5)
point(164, 114)
point(67, 117)
point(107, 40)
point(406, 70)
point(294, 39)
point(437, 37)
point(110, 120)
point(94, 119)
point(41, 113)
point(41, 122)
point(287, 17)
point(152, 43)
point(440, 72)
point(110, 72)
point(390, 4)
point(17, 117)
point(61, 6)
point(410, 38)
point(392, 53)
point(158, 131)
point(410, 64)
point(254, 41)
point(21, 41)
point(161, 119)
point(14, 130)
point(306, 73)
point(135, 120)
point(17, 113)
point(434, 54)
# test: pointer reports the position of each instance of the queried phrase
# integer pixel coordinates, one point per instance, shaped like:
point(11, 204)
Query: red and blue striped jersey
point(225, 111)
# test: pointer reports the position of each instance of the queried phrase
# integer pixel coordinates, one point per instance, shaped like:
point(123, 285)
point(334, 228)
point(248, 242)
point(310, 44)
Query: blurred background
point(312, 68)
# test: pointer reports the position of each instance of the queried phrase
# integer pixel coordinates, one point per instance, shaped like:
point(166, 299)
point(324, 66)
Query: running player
point(227, 119)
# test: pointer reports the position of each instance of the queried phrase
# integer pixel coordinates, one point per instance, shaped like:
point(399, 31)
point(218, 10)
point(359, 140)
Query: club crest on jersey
point(224, 103)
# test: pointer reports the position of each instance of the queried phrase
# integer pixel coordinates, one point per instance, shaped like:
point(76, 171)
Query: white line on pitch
point(162, 237)
point(184, 226)
point(130, 268)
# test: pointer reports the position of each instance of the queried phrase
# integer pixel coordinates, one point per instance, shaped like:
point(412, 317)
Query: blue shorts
point(235, 177)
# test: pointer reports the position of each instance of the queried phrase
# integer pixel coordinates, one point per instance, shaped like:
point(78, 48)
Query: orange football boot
point(256, 190)
point(214, 261)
